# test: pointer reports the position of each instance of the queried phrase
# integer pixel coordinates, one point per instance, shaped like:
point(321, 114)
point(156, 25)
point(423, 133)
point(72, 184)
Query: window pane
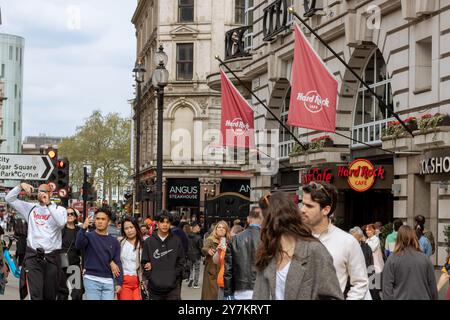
point(368, 107)
point(359, 111)
point(379, 110)
point(185, 53)
point(240, 11)
point(186, 14)
point(186, 10)
point(369, 74)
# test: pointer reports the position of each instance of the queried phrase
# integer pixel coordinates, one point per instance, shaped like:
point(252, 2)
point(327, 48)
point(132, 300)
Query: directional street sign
point(25, 167)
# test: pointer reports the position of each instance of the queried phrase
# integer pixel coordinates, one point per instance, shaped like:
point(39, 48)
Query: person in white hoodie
point(42, 258)
point(374, 243)
point(318, 204)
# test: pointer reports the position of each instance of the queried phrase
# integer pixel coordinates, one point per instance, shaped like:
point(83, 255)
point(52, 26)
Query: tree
point(104, 143)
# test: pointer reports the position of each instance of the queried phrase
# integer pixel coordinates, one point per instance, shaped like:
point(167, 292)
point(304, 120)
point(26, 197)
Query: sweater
point(409, 276)
point(167, 260)
point(99, 251)
point(348, 260)
point(44, 222)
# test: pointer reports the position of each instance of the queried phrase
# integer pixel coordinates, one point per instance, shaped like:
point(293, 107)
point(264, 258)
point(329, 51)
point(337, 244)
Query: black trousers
point(171, 295)
point(75, 293)
point(42, 275)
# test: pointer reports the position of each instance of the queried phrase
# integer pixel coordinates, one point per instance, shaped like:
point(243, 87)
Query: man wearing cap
point(42, 259)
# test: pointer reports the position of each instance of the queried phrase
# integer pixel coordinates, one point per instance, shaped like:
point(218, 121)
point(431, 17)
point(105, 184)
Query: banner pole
point(382, 103)
point(262, 103)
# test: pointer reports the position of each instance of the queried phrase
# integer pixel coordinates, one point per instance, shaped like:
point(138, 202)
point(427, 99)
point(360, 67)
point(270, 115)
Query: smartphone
point(223, 241)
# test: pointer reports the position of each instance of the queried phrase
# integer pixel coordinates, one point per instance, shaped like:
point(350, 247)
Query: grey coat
point(311, 276)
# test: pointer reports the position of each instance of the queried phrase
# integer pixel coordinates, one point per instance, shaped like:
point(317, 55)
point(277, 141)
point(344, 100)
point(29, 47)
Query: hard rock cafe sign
point(361, 174)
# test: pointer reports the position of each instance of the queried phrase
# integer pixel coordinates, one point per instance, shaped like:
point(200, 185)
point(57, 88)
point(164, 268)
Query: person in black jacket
point(177, 230)
point(195, 254)
point(368, 257)
point(72, 272)
point(20, 233)
point(163, 260)
point(240, 272)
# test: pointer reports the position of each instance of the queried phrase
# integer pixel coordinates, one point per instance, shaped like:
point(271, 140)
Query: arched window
point(369, 117)
point(286, 141)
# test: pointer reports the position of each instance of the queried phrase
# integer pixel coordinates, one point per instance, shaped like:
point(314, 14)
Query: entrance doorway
point(371, 206)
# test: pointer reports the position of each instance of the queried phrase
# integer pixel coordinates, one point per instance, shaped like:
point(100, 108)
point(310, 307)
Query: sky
point(79, 57)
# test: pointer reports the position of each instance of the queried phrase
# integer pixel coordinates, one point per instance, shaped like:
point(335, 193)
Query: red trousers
point(130, 289)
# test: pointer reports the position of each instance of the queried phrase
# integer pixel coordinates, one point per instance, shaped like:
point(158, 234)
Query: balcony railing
point(286, 148)
point(276, 19)
point(369, 133)
point(235, 46)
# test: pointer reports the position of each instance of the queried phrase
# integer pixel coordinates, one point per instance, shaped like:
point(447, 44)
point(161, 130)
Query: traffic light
point(52, 153)
point(62, 172)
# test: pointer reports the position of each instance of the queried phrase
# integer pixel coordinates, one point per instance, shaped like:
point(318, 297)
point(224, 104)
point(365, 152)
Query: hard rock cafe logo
point(238, 126)
point(313, 102)
point(361, 174)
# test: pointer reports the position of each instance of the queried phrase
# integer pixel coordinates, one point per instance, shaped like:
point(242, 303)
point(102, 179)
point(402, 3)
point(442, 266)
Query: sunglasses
point(71, 214)
point(318, 187)
point(266, 199)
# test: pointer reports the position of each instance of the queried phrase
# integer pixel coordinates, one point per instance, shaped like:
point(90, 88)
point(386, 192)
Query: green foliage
point(447, 237)
point(102, 142)
point(429, 122)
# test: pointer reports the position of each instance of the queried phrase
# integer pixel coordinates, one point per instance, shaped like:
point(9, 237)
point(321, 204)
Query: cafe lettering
point(361, 174)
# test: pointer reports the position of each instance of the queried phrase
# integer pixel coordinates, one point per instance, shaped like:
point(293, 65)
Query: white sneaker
point(196, 286)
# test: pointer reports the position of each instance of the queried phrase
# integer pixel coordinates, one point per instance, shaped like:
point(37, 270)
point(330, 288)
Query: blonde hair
point(214, 236)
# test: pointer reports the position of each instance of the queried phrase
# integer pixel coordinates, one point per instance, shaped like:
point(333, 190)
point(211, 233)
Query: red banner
point(237, 123)
point(314, 89)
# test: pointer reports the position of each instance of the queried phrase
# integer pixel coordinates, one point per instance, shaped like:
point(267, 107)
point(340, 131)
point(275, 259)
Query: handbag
point(64, 257)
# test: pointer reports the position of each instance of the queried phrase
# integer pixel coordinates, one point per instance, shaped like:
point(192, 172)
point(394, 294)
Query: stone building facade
point(191, 33)
point(401, 49)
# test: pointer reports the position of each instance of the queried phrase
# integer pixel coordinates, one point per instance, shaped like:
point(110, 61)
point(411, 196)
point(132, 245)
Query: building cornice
point(140, 8)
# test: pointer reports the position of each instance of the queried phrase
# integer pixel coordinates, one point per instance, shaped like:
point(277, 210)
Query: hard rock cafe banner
point(183, 192)
point(314, 89)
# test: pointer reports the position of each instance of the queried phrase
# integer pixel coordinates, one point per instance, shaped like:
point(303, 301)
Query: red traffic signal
point(61, 164)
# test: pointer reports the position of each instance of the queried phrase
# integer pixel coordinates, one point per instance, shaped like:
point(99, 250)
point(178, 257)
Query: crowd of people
point(285, 252)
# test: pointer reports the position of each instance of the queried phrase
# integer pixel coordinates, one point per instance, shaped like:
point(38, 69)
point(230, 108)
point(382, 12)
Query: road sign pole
point(85, 187)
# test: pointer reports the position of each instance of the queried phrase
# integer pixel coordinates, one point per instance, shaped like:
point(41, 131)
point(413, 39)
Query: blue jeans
point(98, 291)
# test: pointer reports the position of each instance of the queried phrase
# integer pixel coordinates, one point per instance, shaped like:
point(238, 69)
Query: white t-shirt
point(109, 281)
point(243, 294)
point(280, 284)
point(128, 257)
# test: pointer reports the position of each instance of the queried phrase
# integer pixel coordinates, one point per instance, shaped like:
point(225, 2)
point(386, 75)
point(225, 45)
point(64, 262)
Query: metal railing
point(369, 133)
point(235, 46)
point(276, 19)
point(286, 148)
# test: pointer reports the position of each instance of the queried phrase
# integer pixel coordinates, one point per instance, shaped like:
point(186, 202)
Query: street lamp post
point(159, 81)
point(139, 71)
